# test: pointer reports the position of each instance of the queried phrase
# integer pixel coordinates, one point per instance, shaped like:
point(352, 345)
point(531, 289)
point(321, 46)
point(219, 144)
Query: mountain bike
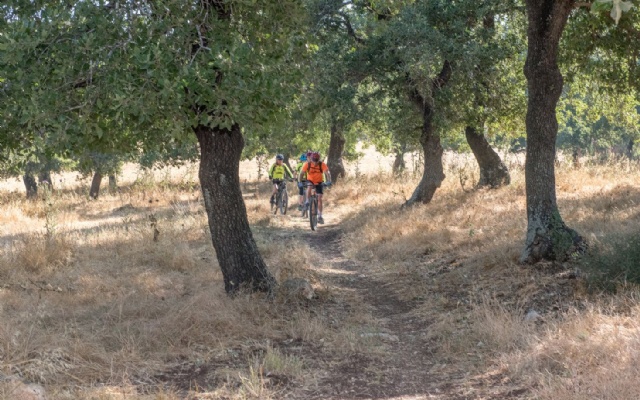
point(313, 205)
point(282, 199)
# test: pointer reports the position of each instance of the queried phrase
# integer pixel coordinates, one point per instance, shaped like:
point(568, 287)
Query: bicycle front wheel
point(313, 213)
point(278, 202)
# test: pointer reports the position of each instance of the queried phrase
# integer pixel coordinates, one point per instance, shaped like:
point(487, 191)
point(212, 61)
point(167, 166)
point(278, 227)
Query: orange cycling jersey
point(315, 173)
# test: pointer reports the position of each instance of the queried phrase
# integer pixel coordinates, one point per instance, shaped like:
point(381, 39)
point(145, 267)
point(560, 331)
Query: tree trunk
point(44, 178)
point(287, 160)
point(336, 147)
point(261, 160)
point(113, 183)
point(547, 235)
point(575, 158)
point(493, 172)
point(241, 263)
point(433, 172)
point(94, 191)
point(30, 185)
point(398, 163)
point(630, 149)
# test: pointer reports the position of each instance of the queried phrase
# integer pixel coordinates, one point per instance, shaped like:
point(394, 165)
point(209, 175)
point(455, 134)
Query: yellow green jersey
point(277, 171)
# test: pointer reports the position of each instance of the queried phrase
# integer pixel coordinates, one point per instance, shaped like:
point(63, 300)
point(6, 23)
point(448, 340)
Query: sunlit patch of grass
point(36, 254)
point(589, 354)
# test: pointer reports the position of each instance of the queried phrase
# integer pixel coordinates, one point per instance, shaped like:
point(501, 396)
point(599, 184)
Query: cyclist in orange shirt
point(316, 172)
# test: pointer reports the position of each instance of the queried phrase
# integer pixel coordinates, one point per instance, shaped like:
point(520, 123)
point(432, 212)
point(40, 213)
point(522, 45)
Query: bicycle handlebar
point(309, 183)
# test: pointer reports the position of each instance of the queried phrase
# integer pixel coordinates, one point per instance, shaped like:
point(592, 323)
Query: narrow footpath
point(407, 369)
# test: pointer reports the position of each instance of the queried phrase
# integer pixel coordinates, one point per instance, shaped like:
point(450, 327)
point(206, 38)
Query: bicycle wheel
point(313, 213)
point(284, 202)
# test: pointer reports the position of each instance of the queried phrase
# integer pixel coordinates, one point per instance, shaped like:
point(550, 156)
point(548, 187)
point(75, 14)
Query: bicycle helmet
point(303, 157)
point(315, 156)
point(280, 157)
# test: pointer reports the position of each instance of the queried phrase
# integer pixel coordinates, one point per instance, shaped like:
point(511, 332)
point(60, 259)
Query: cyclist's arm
point(328, 175)
point(288, 171)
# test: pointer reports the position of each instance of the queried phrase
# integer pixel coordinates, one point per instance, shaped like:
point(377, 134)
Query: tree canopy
point(245, 78)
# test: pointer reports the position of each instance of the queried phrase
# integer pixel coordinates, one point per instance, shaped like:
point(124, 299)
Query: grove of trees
point(91, 84)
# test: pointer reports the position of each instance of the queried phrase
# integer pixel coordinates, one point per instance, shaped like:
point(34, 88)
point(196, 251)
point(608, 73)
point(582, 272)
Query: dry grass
point(92, 307)
point(459, 255)
point(590, 354)
point(95, 308)
point(485, 221)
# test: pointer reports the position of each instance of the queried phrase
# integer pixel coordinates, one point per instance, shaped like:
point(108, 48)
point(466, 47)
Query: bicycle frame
point(281, 196)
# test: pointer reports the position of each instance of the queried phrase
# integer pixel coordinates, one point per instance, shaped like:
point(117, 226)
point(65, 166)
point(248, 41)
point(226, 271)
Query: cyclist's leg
point(319, 193)
point(275, 191)
point(301, 197)
point(308, 193)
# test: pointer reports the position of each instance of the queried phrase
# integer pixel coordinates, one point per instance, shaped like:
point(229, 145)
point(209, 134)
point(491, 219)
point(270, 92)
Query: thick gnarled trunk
point(493, 172)
point(336, 148)
point(94, 191)
point(433, 172)
point(30, 185)
point(44, 178)
point(241, 263)
point(287, 161)
point(547, 235)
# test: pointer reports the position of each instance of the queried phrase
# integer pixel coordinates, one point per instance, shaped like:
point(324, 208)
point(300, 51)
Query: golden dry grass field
point(421, 303)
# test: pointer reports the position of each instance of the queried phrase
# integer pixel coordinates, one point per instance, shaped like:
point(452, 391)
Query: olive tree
point(120, 74)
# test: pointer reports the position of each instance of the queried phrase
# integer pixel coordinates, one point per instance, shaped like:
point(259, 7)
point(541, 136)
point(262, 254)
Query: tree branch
point(414, 94)
point(443, 77)
point(380, 16)
point(580, 4)
point(350, 31)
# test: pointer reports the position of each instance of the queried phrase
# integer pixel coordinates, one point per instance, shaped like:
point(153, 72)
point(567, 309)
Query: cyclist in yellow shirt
point(277, 174)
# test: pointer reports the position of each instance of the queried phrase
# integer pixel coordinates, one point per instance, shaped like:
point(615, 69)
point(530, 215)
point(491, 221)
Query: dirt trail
point(407, 368)
point(403, 370)
point(399, 359)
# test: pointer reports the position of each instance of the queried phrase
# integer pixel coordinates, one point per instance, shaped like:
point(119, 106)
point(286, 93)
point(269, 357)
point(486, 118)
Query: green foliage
point(594, 47)
point(102, 163)
point(14, 163)
point(131, 78)
point(128, 75)
point(614, 262)
point(400, 47)
point(596, 120)
point(615, 7)
point(170, 153)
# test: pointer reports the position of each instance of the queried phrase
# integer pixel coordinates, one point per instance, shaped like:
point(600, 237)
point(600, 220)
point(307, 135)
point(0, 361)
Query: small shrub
point(39, 254)
point(614, 262)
